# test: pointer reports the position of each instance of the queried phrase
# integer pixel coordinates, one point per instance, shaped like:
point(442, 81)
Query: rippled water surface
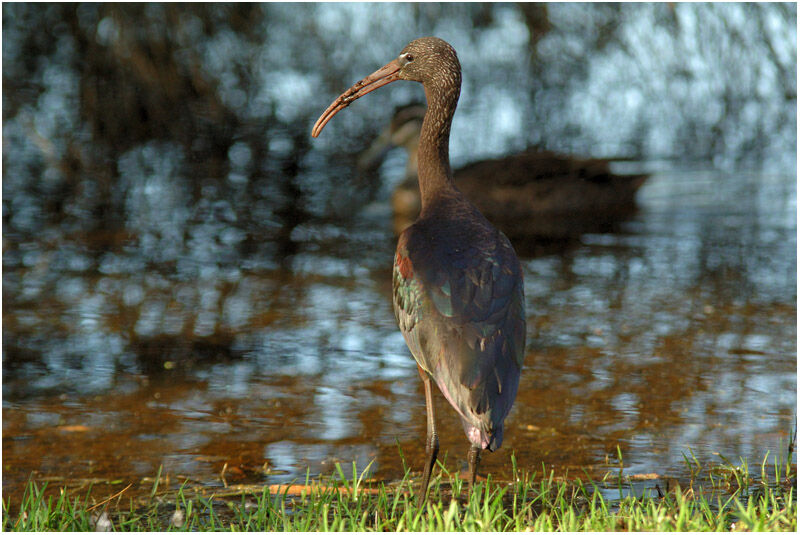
point(675, 331)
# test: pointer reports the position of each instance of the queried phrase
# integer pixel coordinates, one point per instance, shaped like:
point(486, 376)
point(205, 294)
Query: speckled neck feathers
point(442, 89)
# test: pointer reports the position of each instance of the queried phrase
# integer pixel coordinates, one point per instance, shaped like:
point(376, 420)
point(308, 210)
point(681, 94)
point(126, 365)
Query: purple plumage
point(459, 303)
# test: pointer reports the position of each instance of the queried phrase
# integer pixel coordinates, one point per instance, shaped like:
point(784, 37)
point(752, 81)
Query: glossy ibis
point(457, 282)
point(521, 193)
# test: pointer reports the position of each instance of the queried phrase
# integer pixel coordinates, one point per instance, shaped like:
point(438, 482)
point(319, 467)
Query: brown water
point(675, 331)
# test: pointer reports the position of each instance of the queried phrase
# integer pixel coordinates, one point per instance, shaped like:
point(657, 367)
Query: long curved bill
point(385, 75)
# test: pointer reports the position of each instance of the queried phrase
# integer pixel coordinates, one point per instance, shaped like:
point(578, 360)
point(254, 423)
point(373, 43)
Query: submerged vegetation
point(728, 498)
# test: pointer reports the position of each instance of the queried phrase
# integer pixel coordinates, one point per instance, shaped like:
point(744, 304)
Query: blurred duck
point(531, 194)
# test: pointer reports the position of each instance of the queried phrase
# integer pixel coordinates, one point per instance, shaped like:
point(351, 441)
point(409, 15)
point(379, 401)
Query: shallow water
point(677, 331)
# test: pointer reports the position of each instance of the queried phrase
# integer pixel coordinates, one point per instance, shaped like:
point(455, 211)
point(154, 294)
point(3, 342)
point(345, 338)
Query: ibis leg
point(474, 458)
point(432, 443)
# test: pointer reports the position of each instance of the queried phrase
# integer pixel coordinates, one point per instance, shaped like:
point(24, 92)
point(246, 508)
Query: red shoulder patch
point(404, 266)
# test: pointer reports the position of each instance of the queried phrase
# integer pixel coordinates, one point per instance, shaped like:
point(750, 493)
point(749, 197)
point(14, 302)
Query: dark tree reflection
point(85, 84)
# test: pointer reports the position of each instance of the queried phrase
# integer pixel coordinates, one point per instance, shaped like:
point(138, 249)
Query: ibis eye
point(409, 58)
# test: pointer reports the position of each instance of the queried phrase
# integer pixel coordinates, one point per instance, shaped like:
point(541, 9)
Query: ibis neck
point(435, 174)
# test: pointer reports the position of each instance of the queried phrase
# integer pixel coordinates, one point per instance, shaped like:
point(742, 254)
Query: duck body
point(536, 182)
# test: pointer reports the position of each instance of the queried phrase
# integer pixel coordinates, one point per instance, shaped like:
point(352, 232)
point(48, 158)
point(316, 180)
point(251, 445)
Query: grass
point(729, 498)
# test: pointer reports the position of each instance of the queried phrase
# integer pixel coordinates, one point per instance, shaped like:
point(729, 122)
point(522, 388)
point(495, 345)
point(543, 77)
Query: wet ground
point(674, 334)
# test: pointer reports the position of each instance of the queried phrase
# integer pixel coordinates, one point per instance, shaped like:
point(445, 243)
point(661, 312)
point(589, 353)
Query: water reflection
point(187, 283)
point(676, 332)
